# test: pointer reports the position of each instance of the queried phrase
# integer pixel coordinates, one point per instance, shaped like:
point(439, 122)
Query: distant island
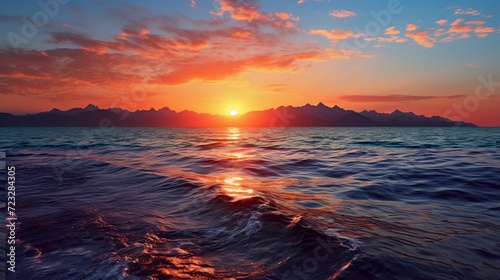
point(308, 115)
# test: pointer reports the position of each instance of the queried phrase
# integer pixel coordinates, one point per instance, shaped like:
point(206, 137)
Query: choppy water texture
point(281, 203)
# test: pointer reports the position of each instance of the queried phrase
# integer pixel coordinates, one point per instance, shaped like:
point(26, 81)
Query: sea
point(255, 203)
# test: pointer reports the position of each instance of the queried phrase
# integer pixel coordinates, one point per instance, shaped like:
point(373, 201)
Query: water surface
point(273, 203)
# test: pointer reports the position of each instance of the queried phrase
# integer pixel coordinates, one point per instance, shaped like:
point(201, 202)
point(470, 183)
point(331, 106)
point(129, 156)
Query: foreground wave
point(257, 203)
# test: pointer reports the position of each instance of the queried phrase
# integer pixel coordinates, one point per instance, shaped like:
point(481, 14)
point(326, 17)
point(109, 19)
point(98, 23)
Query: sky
point(429, 57)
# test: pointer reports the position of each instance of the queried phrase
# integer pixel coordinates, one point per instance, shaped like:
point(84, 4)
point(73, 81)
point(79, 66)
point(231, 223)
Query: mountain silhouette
point(308, 115)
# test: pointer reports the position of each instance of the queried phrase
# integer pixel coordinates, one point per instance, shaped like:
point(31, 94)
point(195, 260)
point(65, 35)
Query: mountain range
point(308, 115)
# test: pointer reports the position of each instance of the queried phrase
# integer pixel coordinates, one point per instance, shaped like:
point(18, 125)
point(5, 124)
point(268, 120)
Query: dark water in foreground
point(316, 203)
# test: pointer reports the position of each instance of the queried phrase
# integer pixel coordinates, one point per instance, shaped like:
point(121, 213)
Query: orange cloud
point(346, 54)
point(64, 71)
point(457, 21)
point(461, 29)
point(242, 10)
point(411, 27)
point(286, 16)
point(442, 21)
point(342, 13)
point(393, 98)
point(391, 39)
point(439, 32)
point(422, 38)
point(215, 70)
point(481, 29)
point(476, 22)
point(172, 54)
point(334, 34)
point(391, 31)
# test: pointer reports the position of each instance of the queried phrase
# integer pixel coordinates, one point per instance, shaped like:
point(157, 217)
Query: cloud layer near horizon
point(393, 98)
point(162, 49)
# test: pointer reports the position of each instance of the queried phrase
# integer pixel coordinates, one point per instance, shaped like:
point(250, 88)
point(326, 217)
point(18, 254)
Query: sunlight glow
point(233, 133)
point(232, 187)
point(238, 156)
point(233, 112)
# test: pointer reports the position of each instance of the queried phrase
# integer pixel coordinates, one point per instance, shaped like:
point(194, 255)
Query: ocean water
point(270, 203)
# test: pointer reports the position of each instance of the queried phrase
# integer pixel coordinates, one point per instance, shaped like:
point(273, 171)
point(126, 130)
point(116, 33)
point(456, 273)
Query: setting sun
point(233, 112)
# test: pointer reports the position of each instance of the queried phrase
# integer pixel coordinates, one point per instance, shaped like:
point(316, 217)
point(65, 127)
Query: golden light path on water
point(236, 185)
point(232, 187)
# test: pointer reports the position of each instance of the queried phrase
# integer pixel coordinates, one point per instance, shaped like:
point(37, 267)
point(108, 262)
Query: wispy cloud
point(342, 13)
point(247, 11)
point(392, 98)
point(457, 21)
point(476, 22)
point(442, 22)
point(482, 29)
point(334, 34)
point(422, 38)
point(468, 11)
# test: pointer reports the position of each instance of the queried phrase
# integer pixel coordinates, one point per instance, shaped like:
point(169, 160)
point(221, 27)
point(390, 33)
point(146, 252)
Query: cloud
point(468, 11)
point(390, 39)
point(219, 69)
point(334, 34)
point(391, 31)
point(422, 38)
point(411, 27)
point(155, 48)
point(278, 88)
point(342, 13)
point(240, 10)
point(457, 21)
point(439, 32)
point(482, 32)
point(244, 10)
point(346, 54)
point(300, 1)
point(460, 29)
point(30, 72)
point(476, 22)
point(286, 16)
point(441, 21)
point(392, 98)
point(469, 65)
point(481, 29)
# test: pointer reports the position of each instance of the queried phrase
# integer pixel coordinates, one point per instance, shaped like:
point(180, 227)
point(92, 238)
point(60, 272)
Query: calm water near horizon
point(256, 203)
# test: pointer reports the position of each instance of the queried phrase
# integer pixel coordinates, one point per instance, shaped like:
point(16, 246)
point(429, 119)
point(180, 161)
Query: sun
point(233, 112)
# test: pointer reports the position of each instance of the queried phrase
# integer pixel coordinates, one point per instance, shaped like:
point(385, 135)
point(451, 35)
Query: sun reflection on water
point(232, 187)
point(238, 156)
point(233, 133)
